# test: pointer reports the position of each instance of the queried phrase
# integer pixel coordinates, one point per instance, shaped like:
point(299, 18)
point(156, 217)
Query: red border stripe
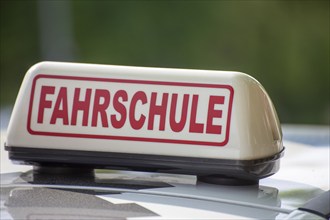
point(127, 138)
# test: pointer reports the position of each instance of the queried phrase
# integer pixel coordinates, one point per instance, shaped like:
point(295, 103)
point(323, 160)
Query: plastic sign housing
point(156, 119)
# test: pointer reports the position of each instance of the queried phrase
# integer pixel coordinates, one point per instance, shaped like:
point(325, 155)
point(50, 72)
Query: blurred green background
point(284, 44)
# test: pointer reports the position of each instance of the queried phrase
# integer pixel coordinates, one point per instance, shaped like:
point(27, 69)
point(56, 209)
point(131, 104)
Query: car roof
point(158, 193)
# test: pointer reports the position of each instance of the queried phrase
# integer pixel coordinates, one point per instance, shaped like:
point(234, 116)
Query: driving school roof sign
point(172, 120)
point(127, 109)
